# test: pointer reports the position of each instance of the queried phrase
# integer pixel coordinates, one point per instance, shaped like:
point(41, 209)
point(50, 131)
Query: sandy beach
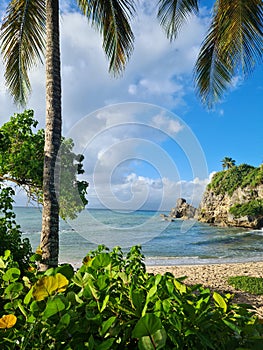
point(214, 276)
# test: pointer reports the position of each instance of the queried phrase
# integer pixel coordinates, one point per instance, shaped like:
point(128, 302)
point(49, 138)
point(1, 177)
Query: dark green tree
point(228, 163)
point(22, 159)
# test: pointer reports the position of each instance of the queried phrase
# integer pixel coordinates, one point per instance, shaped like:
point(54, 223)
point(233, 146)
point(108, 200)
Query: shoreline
point(214, 276)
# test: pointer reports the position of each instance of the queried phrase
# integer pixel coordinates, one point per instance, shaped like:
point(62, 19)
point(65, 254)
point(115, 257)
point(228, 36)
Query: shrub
point(111, 302)
point(10, 234)
point(253, 285)
point(252, 208)
point(239, 176)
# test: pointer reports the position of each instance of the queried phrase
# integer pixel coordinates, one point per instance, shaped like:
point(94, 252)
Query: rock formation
point(182, 210)
point(215, 207)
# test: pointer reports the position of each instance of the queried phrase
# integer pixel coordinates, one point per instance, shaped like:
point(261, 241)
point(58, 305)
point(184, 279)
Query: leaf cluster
point(227, 181)
point(10, 234)
point(252, 285)
point(111, 302)
point(21, 162)
point(251, 208)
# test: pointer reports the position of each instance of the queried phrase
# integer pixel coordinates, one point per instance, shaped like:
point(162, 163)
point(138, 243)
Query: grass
point(252, 285)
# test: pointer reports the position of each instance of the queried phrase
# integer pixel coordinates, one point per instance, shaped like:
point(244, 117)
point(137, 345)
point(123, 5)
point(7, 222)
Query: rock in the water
point(183, 210)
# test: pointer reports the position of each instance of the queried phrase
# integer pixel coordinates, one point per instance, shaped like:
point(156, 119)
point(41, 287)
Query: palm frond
point(174, 13)
point(112, 19)
point(233, 43)
point(22, 44)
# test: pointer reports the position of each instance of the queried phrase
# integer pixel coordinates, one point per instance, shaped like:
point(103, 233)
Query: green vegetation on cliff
point(227, 181)
point(252, 208)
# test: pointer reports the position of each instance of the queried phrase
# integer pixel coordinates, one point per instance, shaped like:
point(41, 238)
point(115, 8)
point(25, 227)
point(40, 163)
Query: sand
point(214, 276)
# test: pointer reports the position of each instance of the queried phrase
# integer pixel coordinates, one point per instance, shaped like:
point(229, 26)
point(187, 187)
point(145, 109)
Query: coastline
point(214, 276)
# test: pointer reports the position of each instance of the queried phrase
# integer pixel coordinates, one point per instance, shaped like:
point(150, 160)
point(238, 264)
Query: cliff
point(234, 198)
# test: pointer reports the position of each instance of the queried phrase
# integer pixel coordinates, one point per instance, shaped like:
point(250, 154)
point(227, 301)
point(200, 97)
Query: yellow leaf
point(49, 285)
point(7, 321)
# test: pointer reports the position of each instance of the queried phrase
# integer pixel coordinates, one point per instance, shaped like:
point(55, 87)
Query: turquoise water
point(163, 243)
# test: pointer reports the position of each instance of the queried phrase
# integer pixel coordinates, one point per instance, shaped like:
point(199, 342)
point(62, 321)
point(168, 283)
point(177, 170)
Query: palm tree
point(28, 29)
point(228, 163)
point(233, 42)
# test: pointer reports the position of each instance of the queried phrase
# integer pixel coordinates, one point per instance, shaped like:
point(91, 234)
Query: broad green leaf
point(106, 345)
point(151, 293)
point(13, 290)
point(66, 270)
point(138, 300)
point(105, 302)
point(2, 264)
point(101, 260)
point(11, 274)
point(180, 286)
point(53, 306)
point(107, 324)
point(147, 326)
point(220, 301)
point(63, 322)
point(233, 326)
point(153, 342)
point(49, 285)
point(28, 296)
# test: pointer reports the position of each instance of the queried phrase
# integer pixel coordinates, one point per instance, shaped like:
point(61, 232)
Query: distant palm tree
point(29, 29)
point(228, 163)
point(233, 41)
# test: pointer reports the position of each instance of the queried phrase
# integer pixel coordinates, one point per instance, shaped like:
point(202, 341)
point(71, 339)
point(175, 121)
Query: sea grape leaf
point(147, 326)
point(155, 342)
point(13, 290)
point(11, 274)
point(53, 307)
point(180, 286)
point(220, 301)
point(107, 324)
point(101, 260)
point(49, 285)
point(7, 321)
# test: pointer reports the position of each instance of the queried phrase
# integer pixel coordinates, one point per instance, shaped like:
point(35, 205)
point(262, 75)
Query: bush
point(252, 208)
point(10, 234)
point(253, 285)
point(111, 302)
point(228, 181)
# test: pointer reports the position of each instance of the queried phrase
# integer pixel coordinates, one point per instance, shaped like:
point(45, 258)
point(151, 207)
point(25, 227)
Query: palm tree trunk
point(50, 218)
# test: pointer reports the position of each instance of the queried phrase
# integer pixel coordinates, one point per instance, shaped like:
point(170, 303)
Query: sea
point(181, 242)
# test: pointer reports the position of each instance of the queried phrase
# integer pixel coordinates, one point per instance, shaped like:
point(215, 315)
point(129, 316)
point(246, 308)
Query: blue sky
point(139, 155)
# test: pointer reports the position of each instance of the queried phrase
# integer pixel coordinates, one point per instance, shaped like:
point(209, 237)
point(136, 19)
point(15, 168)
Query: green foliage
point(252, 208)
point(253, 285)
point(238, 176)
point(111, 302)
point(10, 234)
point(22, 157)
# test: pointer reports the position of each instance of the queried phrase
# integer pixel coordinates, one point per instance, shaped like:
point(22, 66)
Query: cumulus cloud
point(159, 72)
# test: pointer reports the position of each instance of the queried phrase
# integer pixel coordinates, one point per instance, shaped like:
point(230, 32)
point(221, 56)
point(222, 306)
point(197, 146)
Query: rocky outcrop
point(214, 208)
point(182, 210)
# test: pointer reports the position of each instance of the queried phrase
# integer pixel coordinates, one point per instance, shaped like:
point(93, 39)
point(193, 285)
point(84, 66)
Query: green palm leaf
point(111, 18)
point(233, 43)
point(173, 13)
point(22, 44)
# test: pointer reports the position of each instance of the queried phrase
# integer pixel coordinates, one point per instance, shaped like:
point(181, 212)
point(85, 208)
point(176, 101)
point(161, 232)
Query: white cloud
point(159, 72)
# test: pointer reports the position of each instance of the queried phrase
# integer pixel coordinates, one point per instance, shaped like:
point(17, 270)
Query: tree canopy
point(21, 162)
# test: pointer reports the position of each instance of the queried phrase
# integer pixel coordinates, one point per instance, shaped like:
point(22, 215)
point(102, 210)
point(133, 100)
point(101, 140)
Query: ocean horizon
point(181, 242)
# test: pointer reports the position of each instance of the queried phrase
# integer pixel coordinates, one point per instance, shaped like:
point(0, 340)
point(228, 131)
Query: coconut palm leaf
point(173, 13)
point(22, 44)
point(111, 18)
point(233, 44)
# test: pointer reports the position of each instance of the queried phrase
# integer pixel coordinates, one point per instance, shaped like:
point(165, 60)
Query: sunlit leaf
point(7, 321)
point(49, 285)
point(220, 301)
